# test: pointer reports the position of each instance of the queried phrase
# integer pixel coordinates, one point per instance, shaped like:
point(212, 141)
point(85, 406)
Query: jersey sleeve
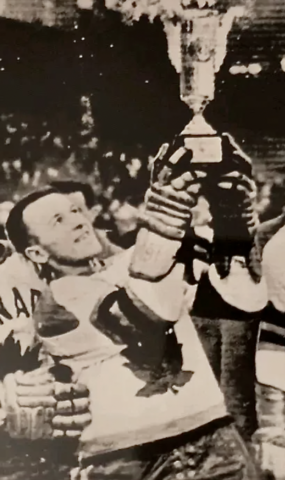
point(51, 319)
point(158, 300)
point(161, 300)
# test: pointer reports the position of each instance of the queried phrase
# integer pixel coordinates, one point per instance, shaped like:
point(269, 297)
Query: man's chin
point(78, 261)
point(79, 258)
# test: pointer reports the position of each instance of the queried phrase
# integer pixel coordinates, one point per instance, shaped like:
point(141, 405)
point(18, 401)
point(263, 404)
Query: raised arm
point(156, 277)
point(234, 276)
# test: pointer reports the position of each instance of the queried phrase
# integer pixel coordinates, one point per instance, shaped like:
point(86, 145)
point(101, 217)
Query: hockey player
point(231, 293)
point(157, 411)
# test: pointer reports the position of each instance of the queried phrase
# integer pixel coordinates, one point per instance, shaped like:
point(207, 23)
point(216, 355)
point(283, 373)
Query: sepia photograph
point(142, 240)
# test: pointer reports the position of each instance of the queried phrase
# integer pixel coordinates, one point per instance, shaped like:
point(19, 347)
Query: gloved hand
point(38, 407)
point(231, 201)
point(167, 211)
point(173, 191)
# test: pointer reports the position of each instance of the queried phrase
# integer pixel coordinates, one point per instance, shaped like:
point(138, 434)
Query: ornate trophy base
point(203, 141)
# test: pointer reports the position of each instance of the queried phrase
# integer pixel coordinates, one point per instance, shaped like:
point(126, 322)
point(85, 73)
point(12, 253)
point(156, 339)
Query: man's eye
point(58, 220)
point(75, 210)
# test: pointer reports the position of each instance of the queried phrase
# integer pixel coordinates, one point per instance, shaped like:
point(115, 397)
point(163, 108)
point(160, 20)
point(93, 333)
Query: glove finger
point(188, 177)
point(154, 207)
point(39, 376)
point(36, 401)
point(250, 194)
point(34, 381)
point(78, 405)
point(180, 161)
point(199, 174)
point(178, 183)
point(164, 176)
point(35, 390)
point(248, 216)
point(248, 201)
point(169, 193)
point(162, 152)
point(202, 242)
point(247, 184)
point(73, 422)
point(167, 161)
point(201, 254)
point(225, 185)
point(176, 157)
point(239, 180)
point(57, 433)
point(157, 163)
point(238, 175)
point(157, 226)
point(233, 174)
point(65, 391)
point(155, 196)
point(194, 189)
point(80, 390)
point(167, 220)
point(73, 433)
point(200, 250)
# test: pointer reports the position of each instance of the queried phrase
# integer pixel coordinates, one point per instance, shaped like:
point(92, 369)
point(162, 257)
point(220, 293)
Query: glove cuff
point(225, 306)
point(28, 417)
point(238, 289)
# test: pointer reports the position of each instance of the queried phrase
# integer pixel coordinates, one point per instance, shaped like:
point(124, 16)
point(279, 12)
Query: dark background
point(134, 92)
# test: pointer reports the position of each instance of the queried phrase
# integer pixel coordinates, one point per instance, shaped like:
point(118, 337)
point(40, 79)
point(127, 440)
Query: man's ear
point(36, 254)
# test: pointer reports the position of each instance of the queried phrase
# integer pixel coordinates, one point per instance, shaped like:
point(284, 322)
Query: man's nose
point(78, 221)
point(78, 226)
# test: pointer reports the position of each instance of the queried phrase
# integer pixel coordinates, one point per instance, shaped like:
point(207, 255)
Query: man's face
point(61, 229)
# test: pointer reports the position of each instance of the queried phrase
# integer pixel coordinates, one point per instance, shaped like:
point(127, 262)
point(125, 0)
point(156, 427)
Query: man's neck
point(57, 270)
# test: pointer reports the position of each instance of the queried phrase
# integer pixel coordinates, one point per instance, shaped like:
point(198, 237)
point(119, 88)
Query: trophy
point(197, 48)
point(199, 35)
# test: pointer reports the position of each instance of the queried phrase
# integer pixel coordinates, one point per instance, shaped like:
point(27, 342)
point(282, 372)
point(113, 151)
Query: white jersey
point(149, 377)
point(20, 289)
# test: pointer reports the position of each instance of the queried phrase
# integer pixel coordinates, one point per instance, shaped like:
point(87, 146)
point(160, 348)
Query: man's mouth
point(82, 236)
